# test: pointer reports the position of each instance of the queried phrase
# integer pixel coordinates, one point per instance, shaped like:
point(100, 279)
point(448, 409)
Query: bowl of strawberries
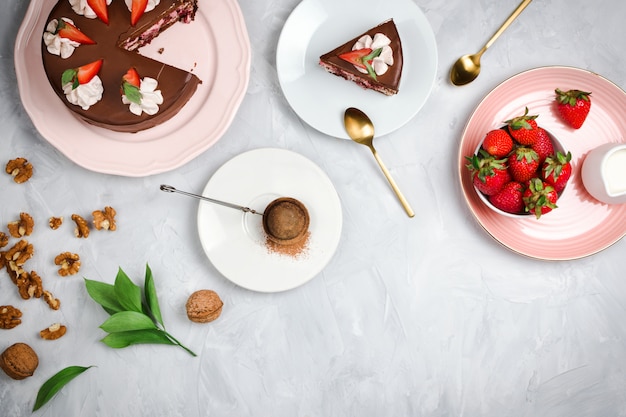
point(520, 169)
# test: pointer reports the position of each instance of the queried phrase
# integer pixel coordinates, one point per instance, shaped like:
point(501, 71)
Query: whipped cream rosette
point(84, 95)
point(55, 43)
point(380, 63)
point(140, 94)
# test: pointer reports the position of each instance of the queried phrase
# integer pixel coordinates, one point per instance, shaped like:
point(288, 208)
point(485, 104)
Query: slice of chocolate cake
point(373, 59)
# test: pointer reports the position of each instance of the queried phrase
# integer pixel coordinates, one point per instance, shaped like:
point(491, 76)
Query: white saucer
point(235, 242)
point(319, 98)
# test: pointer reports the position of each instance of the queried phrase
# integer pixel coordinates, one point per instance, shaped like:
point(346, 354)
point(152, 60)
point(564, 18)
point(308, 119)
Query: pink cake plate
point(219, 55)
point(581, 225)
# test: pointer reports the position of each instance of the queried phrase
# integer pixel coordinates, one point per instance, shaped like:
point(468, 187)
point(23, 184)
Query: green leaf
point(135, 337)
point(128, 294)
point(55, 383)
point(68, 76)
point(366, 60)
point(151, 296)
point(132, 93)
point(103, 294)
point(126, 321)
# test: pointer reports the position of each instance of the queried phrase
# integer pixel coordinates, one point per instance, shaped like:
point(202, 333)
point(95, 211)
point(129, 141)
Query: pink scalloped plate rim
point(219, 55)
point(581, 225)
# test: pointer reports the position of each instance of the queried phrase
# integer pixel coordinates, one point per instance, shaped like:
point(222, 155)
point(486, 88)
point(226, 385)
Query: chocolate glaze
point(390, 80)
point(176, 85)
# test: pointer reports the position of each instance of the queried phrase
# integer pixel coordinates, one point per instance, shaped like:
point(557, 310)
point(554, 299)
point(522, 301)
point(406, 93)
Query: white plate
point(219, 56)
point(320, 98)
point(235, 242)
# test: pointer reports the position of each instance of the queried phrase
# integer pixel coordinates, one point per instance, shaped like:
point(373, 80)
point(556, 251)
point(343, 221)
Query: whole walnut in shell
point(204, 306)
point(19, 361)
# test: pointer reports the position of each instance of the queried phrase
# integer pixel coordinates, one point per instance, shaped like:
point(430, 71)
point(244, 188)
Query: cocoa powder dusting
point(294, 250)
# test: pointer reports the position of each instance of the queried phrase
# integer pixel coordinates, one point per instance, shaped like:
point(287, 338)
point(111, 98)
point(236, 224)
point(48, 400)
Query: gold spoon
point(361, 130)
point(466, 69)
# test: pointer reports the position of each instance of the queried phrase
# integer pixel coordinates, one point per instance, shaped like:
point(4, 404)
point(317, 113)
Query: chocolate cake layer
point(177, 86)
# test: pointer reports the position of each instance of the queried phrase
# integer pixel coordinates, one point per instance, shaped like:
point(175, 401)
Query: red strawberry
point(489, 175)
point(130, 86)
point(543, 146)
point(137, 8)
point(99, 7)
point(523, 164)
point(540, 197)
point(356, 57)
point(132, 77)
point(557, 170)
point(81, 75)
point(523, 128)
point(509, 199)
point(498, 143)
point(573, 106)
point(67, 30)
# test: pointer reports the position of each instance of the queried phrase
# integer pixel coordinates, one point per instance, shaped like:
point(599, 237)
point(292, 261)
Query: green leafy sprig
point(55, 383)
point(134, 320)
point(367, 59)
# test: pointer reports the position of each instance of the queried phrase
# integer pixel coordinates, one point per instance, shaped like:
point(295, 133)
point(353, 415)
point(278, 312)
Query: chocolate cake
point(116, 44)
point(373, 59)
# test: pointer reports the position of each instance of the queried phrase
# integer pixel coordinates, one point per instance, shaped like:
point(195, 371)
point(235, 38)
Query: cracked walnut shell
point(20, 169)
point(104, 219)
point(69, 263)
point(10, 317)
point(82, 228)
point(53, 332)
point(22, 227)
point(204, 306)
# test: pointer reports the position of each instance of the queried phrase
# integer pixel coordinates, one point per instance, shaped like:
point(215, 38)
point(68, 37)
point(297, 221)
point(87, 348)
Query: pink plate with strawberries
point(581, 225)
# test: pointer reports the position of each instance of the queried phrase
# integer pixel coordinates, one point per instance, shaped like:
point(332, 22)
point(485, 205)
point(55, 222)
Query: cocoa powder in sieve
point(286, 223)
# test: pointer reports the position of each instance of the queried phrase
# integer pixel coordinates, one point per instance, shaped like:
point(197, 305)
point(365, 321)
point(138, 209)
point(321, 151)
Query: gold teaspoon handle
point(394, 186)
point(506, 24)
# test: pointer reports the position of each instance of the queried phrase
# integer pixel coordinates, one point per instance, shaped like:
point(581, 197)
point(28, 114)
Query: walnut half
point(55, 222)
point(53, 332)
point(17, 256)
point(9, 317)
point(69, 263)
point(54, 303)
point(82, 228)
point(29, 285)
point(20, 169)
point(4, 239)
point(104, 219)
point(22, 227)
